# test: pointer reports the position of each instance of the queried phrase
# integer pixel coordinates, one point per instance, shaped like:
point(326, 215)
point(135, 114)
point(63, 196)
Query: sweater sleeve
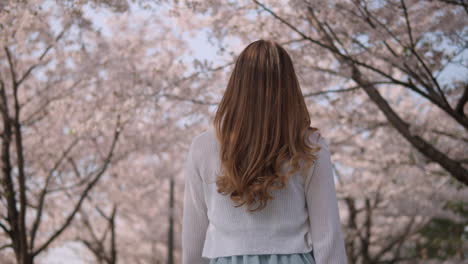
point(194, 216)
point(325, 226)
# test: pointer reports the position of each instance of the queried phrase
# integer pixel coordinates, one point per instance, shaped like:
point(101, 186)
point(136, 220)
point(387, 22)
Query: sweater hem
point(240, 252)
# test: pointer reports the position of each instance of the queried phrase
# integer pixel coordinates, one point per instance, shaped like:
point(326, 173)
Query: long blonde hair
point(261, 122)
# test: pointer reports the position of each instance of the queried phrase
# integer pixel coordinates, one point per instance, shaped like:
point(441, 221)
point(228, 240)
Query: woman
point(259, 183)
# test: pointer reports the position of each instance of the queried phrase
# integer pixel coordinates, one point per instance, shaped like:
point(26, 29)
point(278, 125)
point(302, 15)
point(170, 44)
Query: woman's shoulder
point(203, 143)
point(315, 136)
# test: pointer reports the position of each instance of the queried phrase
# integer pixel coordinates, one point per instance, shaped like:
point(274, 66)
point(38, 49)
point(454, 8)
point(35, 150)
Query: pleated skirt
point(294, 258)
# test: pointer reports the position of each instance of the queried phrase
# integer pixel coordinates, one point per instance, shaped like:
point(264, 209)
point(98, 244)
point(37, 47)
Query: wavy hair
point(262, 123)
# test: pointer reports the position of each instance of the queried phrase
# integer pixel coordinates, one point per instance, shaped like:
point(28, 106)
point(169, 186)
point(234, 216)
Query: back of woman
point(259, 183)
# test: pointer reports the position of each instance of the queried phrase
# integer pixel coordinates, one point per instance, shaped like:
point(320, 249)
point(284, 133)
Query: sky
point(202, 49)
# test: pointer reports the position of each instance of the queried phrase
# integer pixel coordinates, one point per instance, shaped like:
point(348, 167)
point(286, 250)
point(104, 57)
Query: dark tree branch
point(97, 245)
point(460, 108)
point(396, 240)
point(20, 163)
point(450, 135)
point(408, 24)
point(42, 196)
point(7, 231)
point(41, 57)
point(439, 98)
point(366, 239)
point(180, 98)
point(28, 120)
point(452, 166)
point(84, 194)
point(7, 180)
point(11, 66)
point(6, 246)
point(462, 3)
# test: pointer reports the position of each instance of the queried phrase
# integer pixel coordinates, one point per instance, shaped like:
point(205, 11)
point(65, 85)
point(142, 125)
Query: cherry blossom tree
point(376, 75)
point(74, 104)
point(368, 44)
point(95, 121)
point(50, 143)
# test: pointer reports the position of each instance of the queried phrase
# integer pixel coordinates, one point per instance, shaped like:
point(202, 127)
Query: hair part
point(261, 123)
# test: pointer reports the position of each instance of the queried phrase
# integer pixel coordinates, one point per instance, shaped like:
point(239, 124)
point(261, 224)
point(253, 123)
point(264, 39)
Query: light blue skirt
point(295, 258)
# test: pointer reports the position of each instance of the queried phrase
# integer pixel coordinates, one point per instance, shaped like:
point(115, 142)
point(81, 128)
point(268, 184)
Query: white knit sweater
point(299, 219)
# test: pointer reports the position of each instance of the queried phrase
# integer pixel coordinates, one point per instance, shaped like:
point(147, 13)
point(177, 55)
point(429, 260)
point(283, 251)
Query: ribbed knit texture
point(301, 217)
